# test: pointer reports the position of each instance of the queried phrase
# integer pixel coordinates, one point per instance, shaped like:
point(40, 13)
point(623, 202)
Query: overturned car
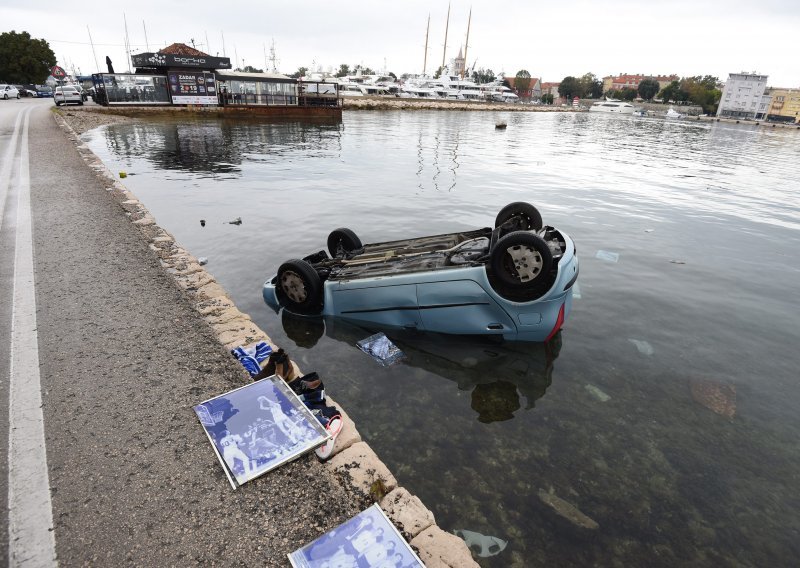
point(514, 280)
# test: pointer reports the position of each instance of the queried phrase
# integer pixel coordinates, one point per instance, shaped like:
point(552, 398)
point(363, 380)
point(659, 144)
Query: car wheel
point(58, 104)
point(342, 241)
point(299, 286)
point(519, 259)
point(5, 96)
point(523, 217)
point(81, 103)
point(17, 95)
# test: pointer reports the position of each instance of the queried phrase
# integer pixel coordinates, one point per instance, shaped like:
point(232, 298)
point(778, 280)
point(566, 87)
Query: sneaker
point(333, 428)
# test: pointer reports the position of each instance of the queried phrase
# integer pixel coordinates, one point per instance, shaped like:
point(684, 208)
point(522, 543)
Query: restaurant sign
point(169, 60)
point(192, 88)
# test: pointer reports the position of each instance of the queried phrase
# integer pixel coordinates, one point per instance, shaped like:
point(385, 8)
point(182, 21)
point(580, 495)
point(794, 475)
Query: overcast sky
point(550, 40)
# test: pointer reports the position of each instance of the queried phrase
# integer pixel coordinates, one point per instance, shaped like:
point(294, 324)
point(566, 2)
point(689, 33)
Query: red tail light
point(559, 323)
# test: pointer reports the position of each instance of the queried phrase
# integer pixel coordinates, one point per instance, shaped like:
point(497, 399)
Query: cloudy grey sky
point(549, 39)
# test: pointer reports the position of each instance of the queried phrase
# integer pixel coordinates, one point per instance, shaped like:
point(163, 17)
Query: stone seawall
point(353, 462)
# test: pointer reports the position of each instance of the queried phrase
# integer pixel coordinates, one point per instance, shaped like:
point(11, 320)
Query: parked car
point(67, 94)
point(514, 280)
point(43, 91)
point(8, 92)
point(81, 90)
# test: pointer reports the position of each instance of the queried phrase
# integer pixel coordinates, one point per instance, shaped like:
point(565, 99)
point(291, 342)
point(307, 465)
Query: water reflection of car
point(494, 371)
point(514, 281)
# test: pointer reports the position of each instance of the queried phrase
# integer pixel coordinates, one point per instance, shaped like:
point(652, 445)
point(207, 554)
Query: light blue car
point(514, 280)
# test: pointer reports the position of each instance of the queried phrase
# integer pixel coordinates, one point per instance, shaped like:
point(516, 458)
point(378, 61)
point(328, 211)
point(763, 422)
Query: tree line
point(703, 91)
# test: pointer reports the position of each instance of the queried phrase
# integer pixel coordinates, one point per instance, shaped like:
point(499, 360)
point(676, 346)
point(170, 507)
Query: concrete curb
point(353, 460)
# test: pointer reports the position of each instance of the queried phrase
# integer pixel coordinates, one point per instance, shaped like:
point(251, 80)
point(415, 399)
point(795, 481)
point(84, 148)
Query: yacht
point(419, 88)
point(612, 106)
point(499, 93)
point(672, 113)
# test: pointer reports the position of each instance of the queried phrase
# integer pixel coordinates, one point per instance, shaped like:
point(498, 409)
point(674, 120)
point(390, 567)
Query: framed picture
point(367, 540)
point(258, 427)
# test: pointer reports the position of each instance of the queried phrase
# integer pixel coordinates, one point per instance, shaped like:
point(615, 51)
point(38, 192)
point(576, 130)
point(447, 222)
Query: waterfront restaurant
point(182, 75)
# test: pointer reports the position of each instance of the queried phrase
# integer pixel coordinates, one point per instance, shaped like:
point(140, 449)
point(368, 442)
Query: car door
point(461, 306)
point(370, 301)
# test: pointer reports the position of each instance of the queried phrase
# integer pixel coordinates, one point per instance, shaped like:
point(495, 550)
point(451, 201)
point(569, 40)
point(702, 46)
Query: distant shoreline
point(398, 103)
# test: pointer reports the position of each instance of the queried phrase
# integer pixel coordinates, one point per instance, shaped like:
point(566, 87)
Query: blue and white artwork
point(258, 427)
point(368, 540)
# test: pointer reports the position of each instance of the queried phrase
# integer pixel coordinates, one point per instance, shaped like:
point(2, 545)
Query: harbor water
point(659, 428)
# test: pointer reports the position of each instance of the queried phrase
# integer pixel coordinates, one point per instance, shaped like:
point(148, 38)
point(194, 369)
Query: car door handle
point(494, 326)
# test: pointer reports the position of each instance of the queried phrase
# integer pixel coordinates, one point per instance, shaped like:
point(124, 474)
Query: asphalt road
point(125, 474)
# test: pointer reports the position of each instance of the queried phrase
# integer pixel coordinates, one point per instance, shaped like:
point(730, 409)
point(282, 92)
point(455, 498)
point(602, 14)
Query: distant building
point(458, 65)
point(744, 97)
point(551, 88)
point(619, 82)
point(534, 91)
point(784, 106)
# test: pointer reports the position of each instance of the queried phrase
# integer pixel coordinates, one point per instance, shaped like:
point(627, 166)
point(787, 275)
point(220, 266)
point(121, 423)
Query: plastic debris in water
point(202, 222)
point(649, 230)
point(607, 256)
point(597, 393)
point(202, 260)
point(237, 221)
point(123, 175)
point(678, 261)
point(481, 544)
point(380, 348)
point(643, 347)
point(567, 510)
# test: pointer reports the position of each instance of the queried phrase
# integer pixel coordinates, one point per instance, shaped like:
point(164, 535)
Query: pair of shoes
point(334, 427)
point(277, 364)
point(309, 388)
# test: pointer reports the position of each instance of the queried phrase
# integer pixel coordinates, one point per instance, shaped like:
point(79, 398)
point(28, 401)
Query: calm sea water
point(667, 409)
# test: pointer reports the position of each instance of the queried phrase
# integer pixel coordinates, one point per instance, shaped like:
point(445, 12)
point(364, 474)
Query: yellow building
point(785, 105)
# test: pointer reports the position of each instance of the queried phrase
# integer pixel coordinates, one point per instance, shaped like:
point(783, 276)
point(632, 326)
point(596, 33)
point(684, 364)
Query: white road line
point(7, 166)
point(31, 536)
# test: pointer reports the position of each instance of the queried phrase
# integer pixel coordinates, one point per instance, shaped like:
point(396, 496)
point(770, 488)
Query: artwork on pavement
point(367, 540)
point(258, 427)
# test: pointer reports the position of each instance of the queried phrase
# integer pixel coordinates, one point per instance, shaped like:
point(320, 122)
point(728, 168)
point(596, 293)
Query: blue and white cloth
point(251, 357)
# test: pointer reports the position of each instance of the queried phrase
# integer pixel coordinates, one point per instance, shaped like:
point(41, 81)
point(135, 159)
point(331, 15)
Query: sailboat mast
point(427, 31)
point(446, 27)
point(127, 42)
point(96, 66)
point(146, 43)
point(466, 45)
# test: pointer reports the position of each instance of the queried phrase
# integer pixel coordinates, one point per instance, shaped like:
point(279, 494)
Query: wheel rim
point(294, 287)
point(526, 262)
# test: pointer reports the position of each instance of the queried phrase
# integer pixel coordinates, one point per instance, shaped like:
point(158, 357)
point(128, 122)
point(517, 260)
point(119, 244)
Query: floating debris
point(237, 221)
point(481, 544)
point(202, 261)
point(597, 393)
point(717, 397)
point(678, 261)
point(607, 256)
point(643, 347)
point(202, 222)
point(649, 230)
point(381, 349)
point(123, 175)
point(501, 125)
point(567, 510)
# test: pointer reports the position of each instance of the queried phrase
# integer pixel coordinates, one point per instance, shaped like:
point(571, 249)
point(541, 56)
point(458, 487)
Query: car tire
point(519, 260)
point(17, 95)
point(525, 217)
point(341, 241)
point(299, 287)
point(81, 103)
point(5, 97)
point(58, 104)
